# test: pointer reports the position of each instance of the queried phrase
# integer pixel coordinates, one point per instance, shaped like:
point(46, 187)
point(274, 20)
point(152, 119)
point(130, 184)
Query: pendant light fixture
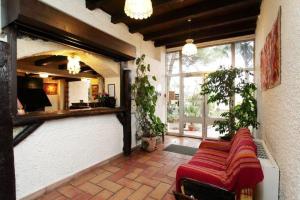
point(73, 65)
point(138, 9)
point(189, 49)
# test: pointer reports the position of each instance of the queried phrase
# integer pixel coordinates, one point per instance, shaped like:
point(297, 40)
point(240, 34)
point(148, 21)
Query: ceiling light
point(44, 75)
point(138, 9)
point(189, 49)
point(73, 64)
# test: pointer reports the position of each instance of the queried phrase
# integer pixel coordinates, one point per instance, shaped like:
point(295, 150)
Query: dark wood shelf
point(38, 117)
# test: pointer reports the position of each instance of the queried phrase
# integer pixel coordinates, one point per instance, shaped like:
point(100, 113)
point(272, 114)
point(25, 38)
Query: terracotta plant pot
point(149, 143)
point(191, 127)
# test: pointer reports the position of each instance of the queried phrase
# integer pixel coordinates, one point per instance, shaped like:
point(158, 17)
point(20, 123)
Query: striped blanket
point(229, 165)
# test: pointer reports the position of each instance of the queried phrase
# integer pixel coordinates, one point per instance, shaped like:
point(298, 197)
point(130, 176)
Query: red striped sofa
point(225, 167)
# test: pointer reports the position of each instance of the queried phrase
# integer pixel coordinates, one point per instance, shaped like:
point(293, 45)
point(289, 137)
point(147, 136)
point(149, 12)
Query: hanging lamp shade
point(73, 65)
point(138, 9)
point(189, 49)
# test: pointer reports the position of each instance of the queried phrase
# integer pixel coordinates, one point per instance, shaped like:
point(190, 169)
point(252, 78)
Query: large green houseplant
point(221, 86)
point(149, 125)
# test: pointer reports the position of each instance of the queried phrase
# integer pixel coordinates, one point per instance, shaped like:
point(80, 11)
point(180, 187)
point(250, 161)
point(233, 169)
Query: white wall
point(279, 107)
point(61, 148)
point(78, 90)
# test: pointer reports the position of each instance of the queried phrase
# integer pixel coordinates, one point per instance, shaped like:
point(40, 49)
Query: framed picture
point(95, 91)
point(270, 60)
point(111, 90)
point(50, 88)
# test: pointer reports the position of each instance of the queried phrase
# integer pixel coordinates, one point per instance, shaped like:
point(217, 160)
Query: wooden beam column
point(125, 119)
point(7, 173)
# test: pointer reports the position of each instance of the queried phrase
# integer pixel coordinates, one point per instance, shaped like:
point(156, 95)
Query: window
point(188, 112)
point(244, 53)
point(208, 59)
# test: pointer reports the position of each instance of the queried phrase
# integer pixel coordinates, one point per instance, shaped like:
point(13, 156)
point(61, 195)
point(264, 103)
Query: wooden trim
point(12, 41)
point(125, 117)
point(7, 173)
point(60, 27)
point(25, 133)
point(38, 117)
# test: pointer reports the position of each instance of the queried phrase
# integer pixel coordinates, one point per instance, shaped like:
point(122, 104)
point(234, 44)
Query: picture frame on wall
point(111, 90)
point(95, 90)
point(270, 60)
point(50, 88)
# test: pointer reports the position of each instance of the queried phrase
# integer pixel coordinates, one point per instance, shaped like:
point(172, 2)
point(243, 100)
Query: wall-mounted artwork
point(50, 88)
point(270, 61)
point(95, 91)
point(111, 90)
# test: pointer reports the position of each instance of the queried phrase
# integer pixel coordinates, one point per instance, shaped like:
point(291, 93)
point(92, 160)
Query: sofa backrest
point(242, 138)
point(243, 167)
point(244, 170)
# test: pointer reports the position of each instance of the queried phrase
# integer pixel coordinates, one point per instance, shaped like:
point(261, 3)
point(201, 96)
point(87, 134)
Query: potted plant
point(221, 87)
point(149, 125)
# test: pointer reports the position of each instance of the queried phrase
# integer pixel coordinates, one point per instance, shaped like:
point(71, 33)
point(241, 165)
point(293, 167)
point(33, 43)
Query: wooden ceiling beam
point(93, 4)
point(50, 60)
point(212, 38)
point(25, 67)
point(199, 25)
point(229, 29)
point(202, 9)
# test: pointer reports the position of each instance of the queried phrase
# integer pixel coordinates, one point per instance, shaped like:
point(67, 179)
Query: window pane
point(249, 78)
point(212, 133)
point(244, 54)
point(173, 105)
point(193, 100)
point(173, 62)
point(208, 59)
point(215, 110)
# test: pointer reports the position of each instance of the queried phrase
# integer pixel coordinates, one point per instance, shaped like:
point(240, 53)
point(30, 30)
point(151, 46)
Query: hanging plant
point(221, 88)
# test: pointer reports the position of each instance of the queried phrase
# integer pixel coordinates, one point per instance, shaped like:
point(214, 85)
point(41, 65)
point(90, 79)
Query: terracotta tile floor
point(141, 176)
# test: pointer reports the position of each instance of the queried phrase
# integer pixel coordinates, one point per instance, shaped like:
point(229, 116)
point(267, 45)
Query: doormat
point(190, 151)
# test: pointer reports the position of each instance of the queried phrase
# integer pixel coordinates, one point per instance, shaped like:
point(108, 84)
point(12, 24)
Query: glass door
point(213, 113)
point(173, 114)
point(189, 114)
point(193, 106)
